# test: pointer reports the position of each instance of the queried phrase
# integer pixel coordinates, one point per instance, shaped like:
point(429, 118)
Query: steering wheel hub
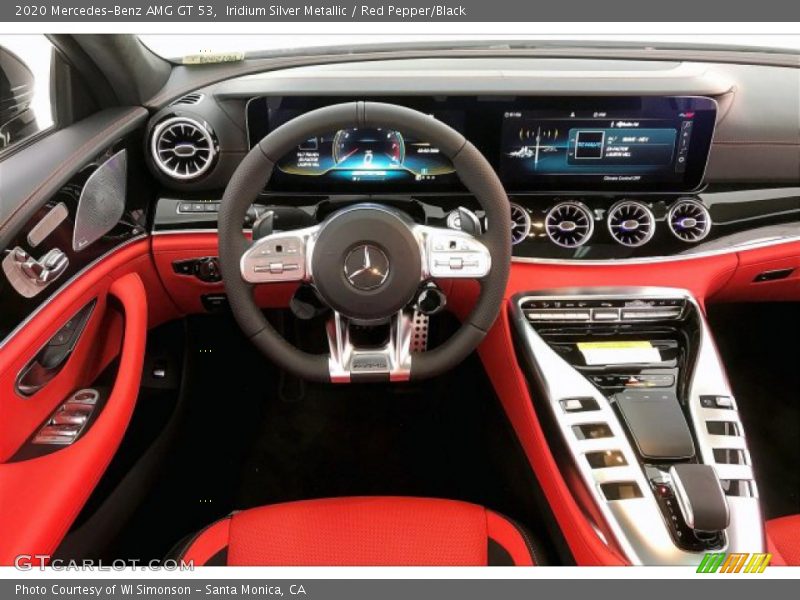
point(366, 262)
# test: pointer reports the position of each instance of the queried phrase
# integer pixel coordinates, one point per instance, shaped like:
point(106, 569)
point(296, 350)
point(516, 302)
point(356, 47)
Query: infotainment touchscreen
point(660, 145)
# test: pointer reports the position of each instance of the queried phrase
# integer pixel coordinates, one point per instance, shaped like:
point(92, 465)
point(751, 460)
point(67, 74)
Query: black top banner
point(412, 11)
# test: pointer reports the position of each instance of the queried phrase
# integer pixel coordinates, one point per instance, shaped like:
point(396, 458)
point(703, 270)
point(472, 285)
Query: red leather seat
point(783, 536)
point(362, 531)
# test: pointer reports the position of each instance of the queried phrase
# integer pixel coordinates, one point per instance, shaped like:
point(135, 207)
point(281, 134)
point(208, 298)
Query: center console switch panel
point(596, 310)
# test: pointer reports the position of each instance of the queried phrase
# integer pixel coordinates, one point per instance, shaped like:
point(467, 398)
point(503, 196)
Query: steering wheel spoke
point(279, 257)
point(349, 362)
point(452, 254)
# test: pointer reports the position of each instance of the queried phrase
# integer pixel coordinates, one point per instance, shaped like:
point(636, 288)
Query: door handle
point(52, 357)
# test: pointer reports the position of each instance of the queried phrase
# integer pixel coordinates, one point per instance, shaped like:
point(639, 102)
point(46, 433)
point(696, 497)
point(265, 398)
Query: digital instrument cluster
point(613, 144)
point(367, 155)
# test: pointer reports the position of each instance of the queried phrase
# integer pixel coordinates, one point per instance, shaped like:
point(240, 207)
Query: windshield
point(175, 47)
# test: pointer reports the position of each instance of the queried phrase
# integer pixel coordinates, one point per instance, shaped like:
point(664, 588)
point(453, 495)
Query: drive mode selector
point(366, 263)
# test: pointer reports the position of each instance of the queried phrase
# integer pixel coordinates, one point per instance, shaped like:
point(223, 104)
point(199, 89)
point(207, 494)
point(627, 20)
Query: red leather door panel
point(41, 497)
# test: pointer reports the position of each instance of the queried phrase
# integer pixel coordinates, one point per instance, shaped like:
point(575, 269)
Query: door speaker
point(102, 201)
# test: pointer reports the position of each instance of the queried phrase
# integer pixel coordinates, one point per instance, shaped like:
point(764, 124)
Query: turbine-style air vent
point(631, 223)
point(183, 148)
point(190, 99)
point(520, 224)
point(689, 220)
point(569, 224)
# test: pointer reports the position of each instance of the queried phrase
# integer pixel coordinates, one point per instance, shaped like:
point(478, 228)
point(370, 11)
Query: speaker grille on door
point(689, 220)
point(102, 201)
point(183, 148)
point(569, 224)
point(631, 223)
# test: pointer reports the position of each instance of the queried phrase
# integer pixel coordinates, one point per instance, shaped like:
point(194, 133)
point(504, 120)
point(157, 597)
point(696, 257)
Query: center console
point(640, 416)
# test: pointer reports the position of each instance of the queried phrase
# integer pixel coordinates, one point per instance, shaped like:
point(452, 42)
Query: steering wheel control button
point(366, 267)
point(277, 257)
point(456, 255)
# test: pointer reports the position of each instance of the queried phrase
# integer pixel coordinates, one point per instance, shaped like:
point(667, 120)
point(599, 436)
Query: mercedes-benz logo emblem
point(366, 267)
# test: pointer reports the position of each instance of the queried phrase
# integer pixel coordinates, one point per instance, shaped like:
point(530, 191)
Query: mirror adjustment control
point(87, 396)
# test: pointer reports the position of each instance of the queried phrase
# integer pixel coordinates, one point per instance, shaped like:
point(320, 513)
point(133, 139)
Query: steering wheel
point(367, 261)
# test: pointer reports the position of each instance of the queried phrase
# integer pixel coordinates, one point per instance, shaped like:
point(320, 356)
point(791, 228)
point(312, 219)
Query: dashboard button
point(605, 314)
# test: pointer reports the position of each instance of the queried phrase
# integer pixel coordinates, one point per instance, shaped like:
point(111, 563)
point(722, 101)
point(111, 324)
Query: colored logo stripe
point(736, 562)
point(711, 562)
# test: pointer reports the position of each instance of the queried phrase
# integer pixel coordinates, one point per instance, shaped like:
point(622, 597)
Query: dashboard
point(536, 144)
point(602, 160)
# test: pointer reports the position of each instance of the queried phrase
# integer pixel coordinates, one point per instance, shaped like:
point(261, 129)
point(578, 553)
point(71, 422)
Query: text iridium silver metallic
point(638, 524)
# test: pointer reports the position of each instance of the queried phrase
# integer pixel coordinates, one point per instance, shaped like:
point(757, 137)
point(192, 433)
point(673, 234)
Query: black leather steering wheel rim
point(255, 170)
